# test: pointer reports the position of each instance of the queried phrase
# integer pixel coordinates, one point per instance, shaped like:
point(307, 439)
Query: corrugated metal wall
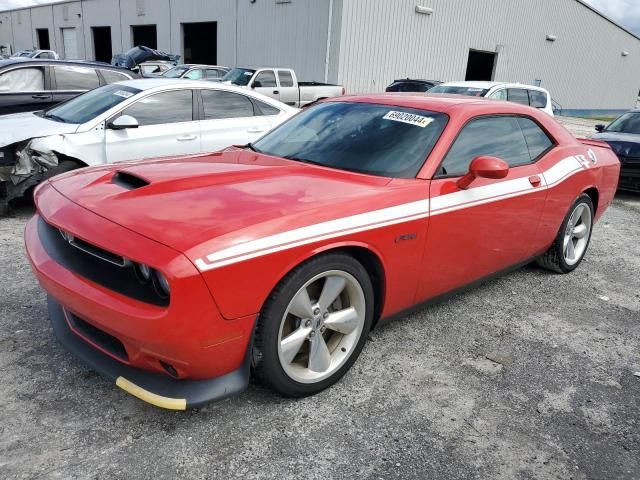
point(584, 69)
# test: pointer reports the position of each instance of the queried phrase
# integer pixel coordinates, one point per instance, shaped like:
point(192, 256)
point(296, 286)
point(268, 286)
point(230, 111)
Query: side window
point(165, 107)
point(220, 104)
point(538, 98)
point(499, 95)
point(111, 77)
point(286, 79)
point(76, 78)
point(195, 74)
point(266, 78)
point(518, 95)
point(22, 80)
point(265, 108)
point(537, 140)
point(495, 136)
point(214, 73)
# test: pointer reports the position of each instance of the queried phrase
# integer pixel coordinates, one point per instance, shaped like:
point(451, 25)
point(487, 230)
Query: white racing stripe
point(405, 212)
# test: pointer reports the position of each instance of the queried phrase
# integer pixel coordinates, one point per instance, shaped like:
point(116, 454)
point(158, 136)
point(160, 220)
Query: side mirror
point(256, 84)
point(123, 122)
point(600, 128)
point(484, 167)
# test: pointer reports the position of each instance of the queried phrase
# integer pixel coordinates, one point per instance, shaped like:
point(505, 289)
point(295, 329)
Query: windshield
point(175, 72)
point(239, 76)
point(89, 105)
point(381, 140)
point(469, 91)
point(627, 123)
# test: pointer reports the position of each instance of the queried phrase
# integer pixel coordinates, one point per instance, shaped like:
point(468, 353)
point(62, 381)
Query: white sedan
point(131, 120)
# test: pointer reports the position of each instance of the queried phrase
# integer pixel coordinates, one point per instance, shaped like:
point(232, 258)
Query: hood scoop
point(129, 180)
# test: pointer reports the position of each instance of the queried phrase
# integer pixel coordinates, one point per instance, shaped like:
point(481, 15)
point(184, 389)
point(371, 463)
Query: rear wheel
point(572, 241)
point(314, 325)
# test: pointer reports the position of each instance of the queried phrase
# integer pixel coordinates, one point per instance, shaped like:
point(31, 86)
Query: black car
point(623, 135)
point(29, 85)
point(412, 85)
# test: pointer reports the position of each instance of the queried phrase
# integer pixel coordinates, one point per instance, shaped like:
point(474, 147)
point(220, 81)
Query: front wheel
point(572, 241)
point(314, 325)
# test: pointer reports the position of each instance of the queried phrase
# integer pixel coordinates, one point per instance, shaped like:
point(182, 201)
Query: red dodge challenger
point(179, 277)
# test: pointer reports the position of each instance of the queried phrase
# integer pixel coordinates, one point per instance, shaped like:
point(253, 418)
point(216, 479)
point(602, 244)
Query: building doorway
point(481, 65)
point(43, 38)
point(70, 43)
point(102, 43)
point(200, 41)
point(145, 35)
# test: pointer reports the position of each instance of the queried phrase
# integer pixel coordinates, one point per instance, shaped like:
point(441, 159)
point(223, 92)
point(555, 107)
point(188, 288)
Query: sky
point(625, 12)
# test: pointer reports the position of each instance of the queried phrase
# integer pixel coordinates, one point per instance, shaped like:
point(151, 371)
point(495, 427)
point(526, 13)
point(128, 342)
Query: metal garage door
point(70, 43)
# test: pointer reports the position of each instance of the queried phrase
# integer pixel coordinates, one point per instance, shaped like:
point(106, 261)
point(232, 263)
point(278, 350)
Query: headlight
point(143, 272)
point(161, 284)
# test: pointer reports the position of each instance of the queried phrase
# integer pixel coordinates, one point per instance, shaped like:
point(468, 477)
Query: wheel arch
point(595, 198)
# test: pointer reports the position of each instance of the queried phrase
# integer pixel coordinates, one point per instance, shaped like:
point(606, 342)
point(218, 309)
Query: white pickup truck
point(281, 84)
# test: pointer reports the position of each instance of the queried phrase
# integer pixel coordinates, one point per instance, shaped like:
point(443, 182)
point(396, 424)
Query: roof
point(51, 61)
point(424, 101)
point(416, 80)
point(490, 85)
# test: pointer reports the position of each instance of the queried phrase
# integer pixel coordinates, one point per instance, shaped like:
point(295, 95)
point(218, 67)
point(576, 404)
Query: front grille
point(99, 337)
point(90, 263)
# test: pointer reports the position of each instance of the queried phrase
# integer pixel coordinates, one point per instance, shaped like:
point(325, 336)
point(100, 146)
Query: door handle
point(41, 96)
point(256, 130)
point(277, 92)
point(186, 138)
point(535, 180)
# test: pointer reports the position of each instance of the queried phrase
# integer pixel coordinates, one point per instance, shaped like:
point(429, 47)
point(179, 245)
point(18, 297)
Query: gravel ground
point(529, 376)
point(580, 127)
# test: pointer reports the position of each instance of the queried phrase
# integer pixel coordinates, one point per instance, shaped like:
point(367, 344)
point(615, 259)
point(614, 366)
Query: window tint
point(286, 79)
point(538, 98)
point(195, 74)
point(265, 108)
point(266, 78)
point(537, 140)
point(22, 80)
point(166, 107)
point(111, 77)
point(220, 104)
point(518, 95)
point(495, 136)
point(214, 73)
point(76, 78)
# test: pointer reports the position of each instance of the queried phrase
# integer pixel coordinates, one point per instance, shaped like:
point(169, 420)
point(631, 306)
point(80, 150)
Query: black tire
point(266, 362)
point(553, 259)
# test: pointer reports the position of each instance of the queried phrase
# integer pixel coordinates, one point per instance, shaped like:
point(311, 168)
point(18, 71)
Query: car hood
point(623, 144)
point(23, 126)
point(225, 198)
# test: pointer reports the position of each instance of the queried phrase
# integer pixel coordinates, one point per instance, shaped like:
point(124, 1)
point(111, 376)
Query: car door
point(228, 118)
point(289, 92)
point(24, 89)
point(71, 80)
point(214, 74)
point(266, 84)
point(166, 126)
point(492, 224)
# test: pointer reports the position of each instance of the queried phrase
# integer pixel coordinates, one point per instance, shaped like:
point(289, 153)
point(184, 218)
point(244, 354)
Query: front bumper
point(154, 388)
point(630, 178)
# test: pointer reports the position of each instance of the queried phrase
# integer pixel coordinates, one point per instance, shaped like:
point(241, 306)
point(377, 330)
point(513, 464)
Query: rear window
point(381, 140)
point(111, 77)
point(76, 78)
point(468, 91)
point(537, 98)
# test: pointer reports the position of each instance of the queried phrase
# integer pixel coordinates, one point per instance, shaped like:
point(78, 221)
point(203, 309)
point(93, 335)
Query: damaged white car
point(130, 120)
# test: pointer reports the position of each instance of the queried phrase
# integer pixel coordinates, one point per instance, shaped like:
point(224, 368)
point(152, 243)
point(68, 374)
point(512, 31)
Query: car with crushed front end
point(623, 135)
point(179, 277)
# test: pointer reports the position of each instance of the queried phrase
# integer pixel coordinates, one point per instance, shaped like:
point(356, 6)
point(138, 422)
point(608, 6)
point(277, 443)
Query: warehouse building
point(588, 62)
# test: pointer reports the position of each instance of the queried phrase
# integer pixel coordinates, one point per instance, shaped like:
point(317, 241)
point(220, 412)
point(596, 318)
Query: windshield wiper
point(250, 146)
point(55, 118)
point(304, 160)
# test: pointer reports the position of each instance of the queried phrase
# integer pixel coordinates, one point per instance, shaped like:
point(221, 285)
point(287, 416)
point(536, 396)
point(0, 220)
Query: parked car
point(41, 54)
point(153, 59)
point(155, 68)
point(536, 97)
point(29, 85)
point(176, 278)
point(197, 72)
point(623, 135)
point(412, 85)
point(130, 121)
point(282, 84)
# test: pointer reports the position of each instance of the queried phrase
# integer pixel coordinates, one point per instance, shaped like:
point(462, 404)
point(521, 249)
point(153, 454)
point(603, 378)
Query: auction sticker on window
point(410, 118)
